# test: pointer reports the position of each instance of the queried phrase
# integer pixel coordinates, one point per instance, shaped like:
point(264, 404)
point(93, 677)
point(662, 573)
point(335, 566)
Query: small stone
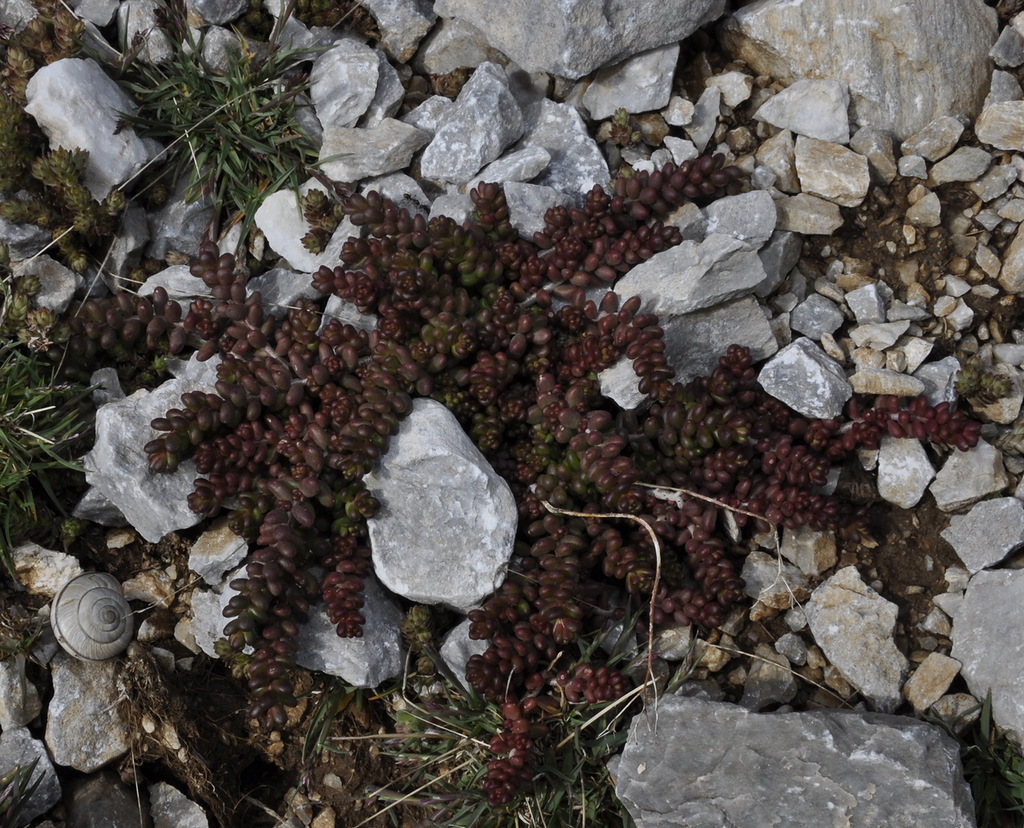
point(773, 584)
point(1008, 51)
point(877, 146)
point(349, 155)
point(777, 154)
point(792, 646)
point(485, 119)
point(815, 316)
point(936, 140)
point(904, 471)
point(679, 111)
point(990, 531)
point(867, 304)
point(734, 86)
point(968, 476)
point(812, 552)
point(831, 171)
point(811, 107)
point(808, 215)
point(994, 183)
point(1001, 125)
point(769, 680)
point(705, 117)
point(343, 82)
point(880, 335)
point(750, 217)
point(930, 680)
point(927, 212)
point(912, 166)
point(640, 84)
point(807, 380)
point(854, 625)
point(966, 164)
point(439, 544)
point(883, 381)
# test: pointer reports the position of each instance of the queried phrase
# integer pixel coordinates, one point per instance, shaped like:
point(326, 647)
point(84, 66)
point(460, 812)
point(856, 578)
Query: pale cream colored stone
point(930, 680)
point(831, 171)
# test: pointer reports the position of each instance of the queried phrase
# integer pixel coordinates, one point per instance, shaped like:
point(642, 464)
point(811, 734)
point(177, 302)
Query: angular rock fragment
point(709, 763)
point(915, 61)
point(79, 107)
point(854, 626)
point(484, 121)
point(640, 84)
point(447, 521)
point(990, 531)
point(831, 171)
point(572, 38)
point(904, 471)
point(811, 107)
point(968, 476)
point(991, 658)
point(806, 379)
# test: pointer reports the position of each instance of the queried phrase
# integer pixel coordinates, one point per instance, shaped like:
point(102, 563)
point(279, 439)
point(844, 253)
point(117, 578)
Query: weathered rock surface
point(447, 521)
point(695, 762)
point(904, 471)
point(806, 379)
point(992, 659)
point(990, 531)
point(571, 38)
point(154, 503)
point(18, 748)
point(485, 119)
point(84, 727)
point(78, 106)
point(363, 662)
point(640, 84)
point(968, 476)
point(905, 64)
point(854, 625)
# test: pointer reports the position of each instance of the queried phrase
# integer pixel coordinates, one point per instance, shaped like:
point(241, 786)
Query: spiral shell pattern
point(91, 618)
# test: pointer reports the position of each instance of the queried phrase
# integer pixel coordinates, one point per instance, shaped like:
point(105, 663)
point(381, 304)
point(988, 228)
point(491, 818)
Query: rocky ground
point(874, 250)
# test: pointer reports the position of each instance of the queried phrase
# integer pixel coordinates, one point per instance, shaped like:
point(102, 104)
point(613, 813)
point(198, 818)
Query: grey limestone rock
point(216, 551)
point(808, 215)
point(516, 166)
point(811, 107)
point(965, 164)
point(577, 163)
point(57, 284)
point(527, 204)
point(349, 155)
point(343, 82)
point(831, 171)
point(447, 521)
point(365, 661)
point(876, 145)
point(705, 117)
point(22, 240)
point(1008, 50)
point(769, 680)
point(639, 84)
point(457, 648)
point(18, 748)
point(1001, 125)
point(485, 119)
point(78, 106)
point(804, 377)
point(935, 140)
point(387, 98)
point(773, 584)
point(990, 656)
point(19, 698)
point(693, 276)
point(85, 729)
point(749, 217)
point(178, 225)
point(697, 762)
point(968, 476)
point(217, 12)
point(990, 531)
point(154, 503)
point(904, 471)
point(170, 808)
point(402, 23)
point(572, 38)
point(905, 65)
point(854, 627)
point(138, 19)
point(815, 316)
point(454, 44)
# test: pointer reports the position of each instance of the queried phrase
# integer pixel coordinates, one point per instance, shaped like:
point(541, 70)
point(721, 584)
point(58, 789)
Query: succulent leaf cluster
point(503, 331)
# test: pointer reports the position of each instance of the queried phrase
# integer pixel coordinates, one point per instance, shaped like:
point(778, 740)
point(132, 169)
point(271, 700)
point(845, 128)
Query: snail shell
point(91, 618)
